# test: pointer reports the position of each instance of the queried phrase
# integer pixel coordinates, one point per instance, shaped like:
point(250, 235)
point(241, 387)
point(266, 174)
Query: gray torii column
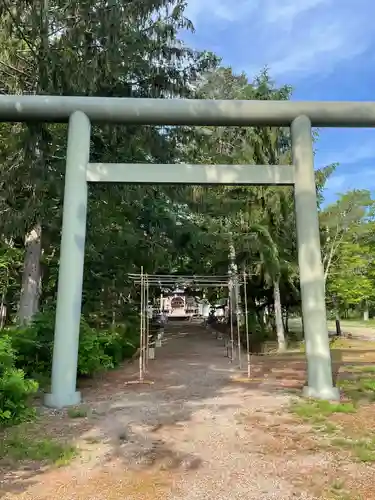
point(319, 366)
point(72, 252)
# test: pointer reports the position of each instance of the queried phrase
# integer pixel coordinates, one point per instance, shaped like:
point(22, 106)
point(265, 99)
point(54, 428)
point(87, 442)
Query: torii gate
point(81, 111)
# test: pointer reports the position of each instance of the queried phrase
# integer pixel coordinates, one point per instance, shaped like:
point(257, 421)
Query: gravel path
point(184, 437)
point(348, 329)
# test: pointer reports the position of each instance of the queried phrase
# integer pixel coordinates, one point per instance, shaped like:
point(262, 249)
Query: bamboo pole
point(238, 336)
point(141, 370)
point(246, 326)
point(147, 342)
point(231, 323)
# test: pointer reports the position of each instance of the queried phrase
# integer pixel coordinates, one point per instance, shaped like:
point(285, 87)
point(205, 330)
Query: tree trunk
point(3, 311)
point(337, 316)
point(233, 272)
point(32, 271)
point(266, 316)
point(286, 320)
point(278, 316)
point(31, 276)
point(366, 314)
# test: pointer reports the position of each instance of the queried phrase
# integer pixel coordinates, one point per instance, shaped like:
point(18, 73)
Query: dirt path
point(191, 435)
point(359, 331)
point(348, 328)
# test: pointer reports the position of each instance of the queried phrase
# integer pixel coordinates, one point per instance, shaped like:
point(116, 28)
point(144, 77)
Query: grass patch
point(326, 427)
point(360, 369)
point(360, 389)
point(19, 447)
point(93, 440)
point(362, 449)
point(295, 345)
point(315, 411)
point(339, 493)
point(318, 413)
point(77, 412)
point(347, 323)
point(352, 344)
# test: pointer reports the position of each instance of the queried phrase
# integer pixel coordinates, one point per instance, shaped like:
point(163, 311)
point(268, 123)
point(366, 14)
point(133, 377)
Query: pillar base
point(59, 401)
point(326, 394)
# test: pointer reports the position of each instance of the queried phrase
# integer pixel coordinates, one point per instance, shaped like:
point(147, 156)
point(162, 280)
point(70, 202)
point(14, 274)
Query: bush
point(104, 349)
point(26, 353)
point(15, 391)
point(33, 345)
point(92, 357)
point(98, 349)
point(120, 342)
point(258, 333)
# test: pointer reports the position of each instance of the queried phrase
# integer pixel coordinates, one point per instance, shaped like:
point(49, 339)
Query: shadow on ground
point(127, 423)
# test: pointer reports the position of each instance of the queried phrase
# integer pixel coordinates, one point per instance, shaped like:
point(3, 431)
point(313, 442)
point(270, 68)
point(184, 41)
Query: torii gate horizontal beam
point(17, 108)
point(182, 173)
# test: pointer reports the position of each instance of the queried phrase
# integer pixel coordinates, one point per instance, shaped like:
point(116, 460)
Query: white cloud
point(317, 51)
point(351, 180)
point(293, 37)
point(359, 152)
point(223, 10)
point(336, 182)
point(270, 10)
point(288, 10)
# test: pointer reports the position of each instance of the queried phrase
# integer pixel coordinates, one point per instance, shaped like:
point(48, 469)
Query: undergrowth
point(20, 447)
point(323, 416)
point(26, 359)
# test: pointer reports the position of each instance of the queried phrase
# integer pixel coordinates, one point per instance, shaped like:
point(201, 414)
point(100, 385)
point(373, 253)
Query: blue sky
point(325, 49)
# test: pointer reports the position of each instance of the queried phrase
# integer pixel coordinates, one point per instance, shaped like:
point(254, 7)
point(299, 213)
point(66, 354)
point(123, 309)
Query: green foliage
point(99, 349)
point(352, 277)
point(347, 237)
point(187, 230)
point(91, 355)
point(6, 353)
point(104, 349)
point(77, 412)
point(19, 447)
point(15, 391)
point(33, 344)
point(346, 218)
point(258, 333)
point(121, 341)
point(316, 410)
point(359, 389)
point(27, 352)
